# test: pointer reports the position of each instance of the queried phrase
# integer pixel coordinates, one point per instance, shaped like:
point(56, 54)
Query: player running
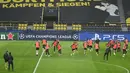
point(44, 42)
point(126, 42)
point(97, 48)
point(107, 51)
point(47, 50)
point(76, 45)
point(112, 42)
point(124, 49)
point(55, 44)
point(109, 46)
point(118, 46)
point(85, 44)
point(37, 45)
point(90, 44)
point(114, 48)
point(59, 48)
point(73, 46)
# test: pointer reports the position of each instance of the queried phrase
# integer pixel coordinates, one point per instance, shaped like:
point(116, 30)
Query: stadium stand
point(61, 27)
point(76, 27)
point(22, 26)
point(102, 27)
point(39, 26)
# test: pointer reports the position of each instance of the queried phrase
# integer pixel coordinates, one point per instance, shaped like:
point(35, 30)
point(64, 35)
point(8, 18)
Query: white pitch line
point(38, 62)
point(115, 66)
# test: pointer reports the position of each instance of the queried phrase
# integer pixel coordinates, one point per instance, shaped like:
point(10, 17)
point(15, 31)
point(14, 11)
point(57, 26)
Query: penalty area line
point(38, 62)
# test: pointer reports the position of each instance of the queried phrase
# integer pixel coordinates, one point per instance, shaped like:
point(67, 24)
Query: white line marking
point(99, 63)
point(38, 62)
point(115, 66)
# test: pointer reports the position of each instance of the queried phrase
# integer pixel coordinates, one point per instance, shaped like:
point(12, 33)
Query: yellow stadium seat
point(65, 25)
point(62, 25)
point(77, 29)
point(19, 28)
point(34, 25)
point(64, 28)
point(73, 25)
point(73, 28)
point(55, 28)
point(58, 25)
point(19, 25)
point(37, 25)
point(79, 26)
point(43, 28)
point(24, 28)
point(59, 28)
point(40, 28)
point(55, 25)
point(34, 28)
point(25, 25)
point(43, 25)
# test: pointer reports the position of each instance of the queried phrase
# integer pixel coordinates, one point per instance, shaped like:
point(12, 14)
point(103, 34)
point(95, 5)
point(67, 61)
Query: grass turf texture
point(25, 59)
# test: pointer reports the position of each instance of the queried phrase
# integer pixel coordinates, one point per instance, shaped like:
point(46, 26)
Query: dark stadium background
point(67, 14)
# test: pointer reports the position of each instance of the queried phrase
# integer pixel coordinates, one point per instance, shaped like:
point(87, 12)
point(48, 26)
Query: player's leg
point(54, 48)
point(43, 47)
point(107, 56)
point(85, 50)
point(73, 52)
point(118, 50)
point(104, 56)
point(110, 51)
point(48, 53)
point(8, 66)
point(90, 47)
point(59, 51)
point(37, 51)
point(12, 66)
point(114, 52)
point(123, 53)
point(127, 48)
point(97, 52)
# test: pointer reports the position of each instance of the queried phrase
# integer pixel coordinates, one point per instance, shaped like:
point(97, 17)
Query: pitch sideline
point(38, 62)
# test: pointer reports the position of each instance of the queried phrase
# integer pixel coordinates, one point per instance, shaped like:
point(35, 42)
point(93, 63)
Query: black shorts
point(76, 48)
point(85, 48)
point(124, 50)
point(47, 50)
point(43, 46)
point(118, 48)
point(90, 46)
point(112, 46)
point(73, 49)
point(37, 48)
point(97, 50)
point(59, 51)
point(114, 49)
point(6, 60)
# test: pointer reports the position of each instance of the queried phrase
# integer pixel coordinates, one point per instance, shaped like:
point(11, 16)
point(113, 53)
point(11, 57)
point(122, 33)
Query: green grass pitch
point(25, 59)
